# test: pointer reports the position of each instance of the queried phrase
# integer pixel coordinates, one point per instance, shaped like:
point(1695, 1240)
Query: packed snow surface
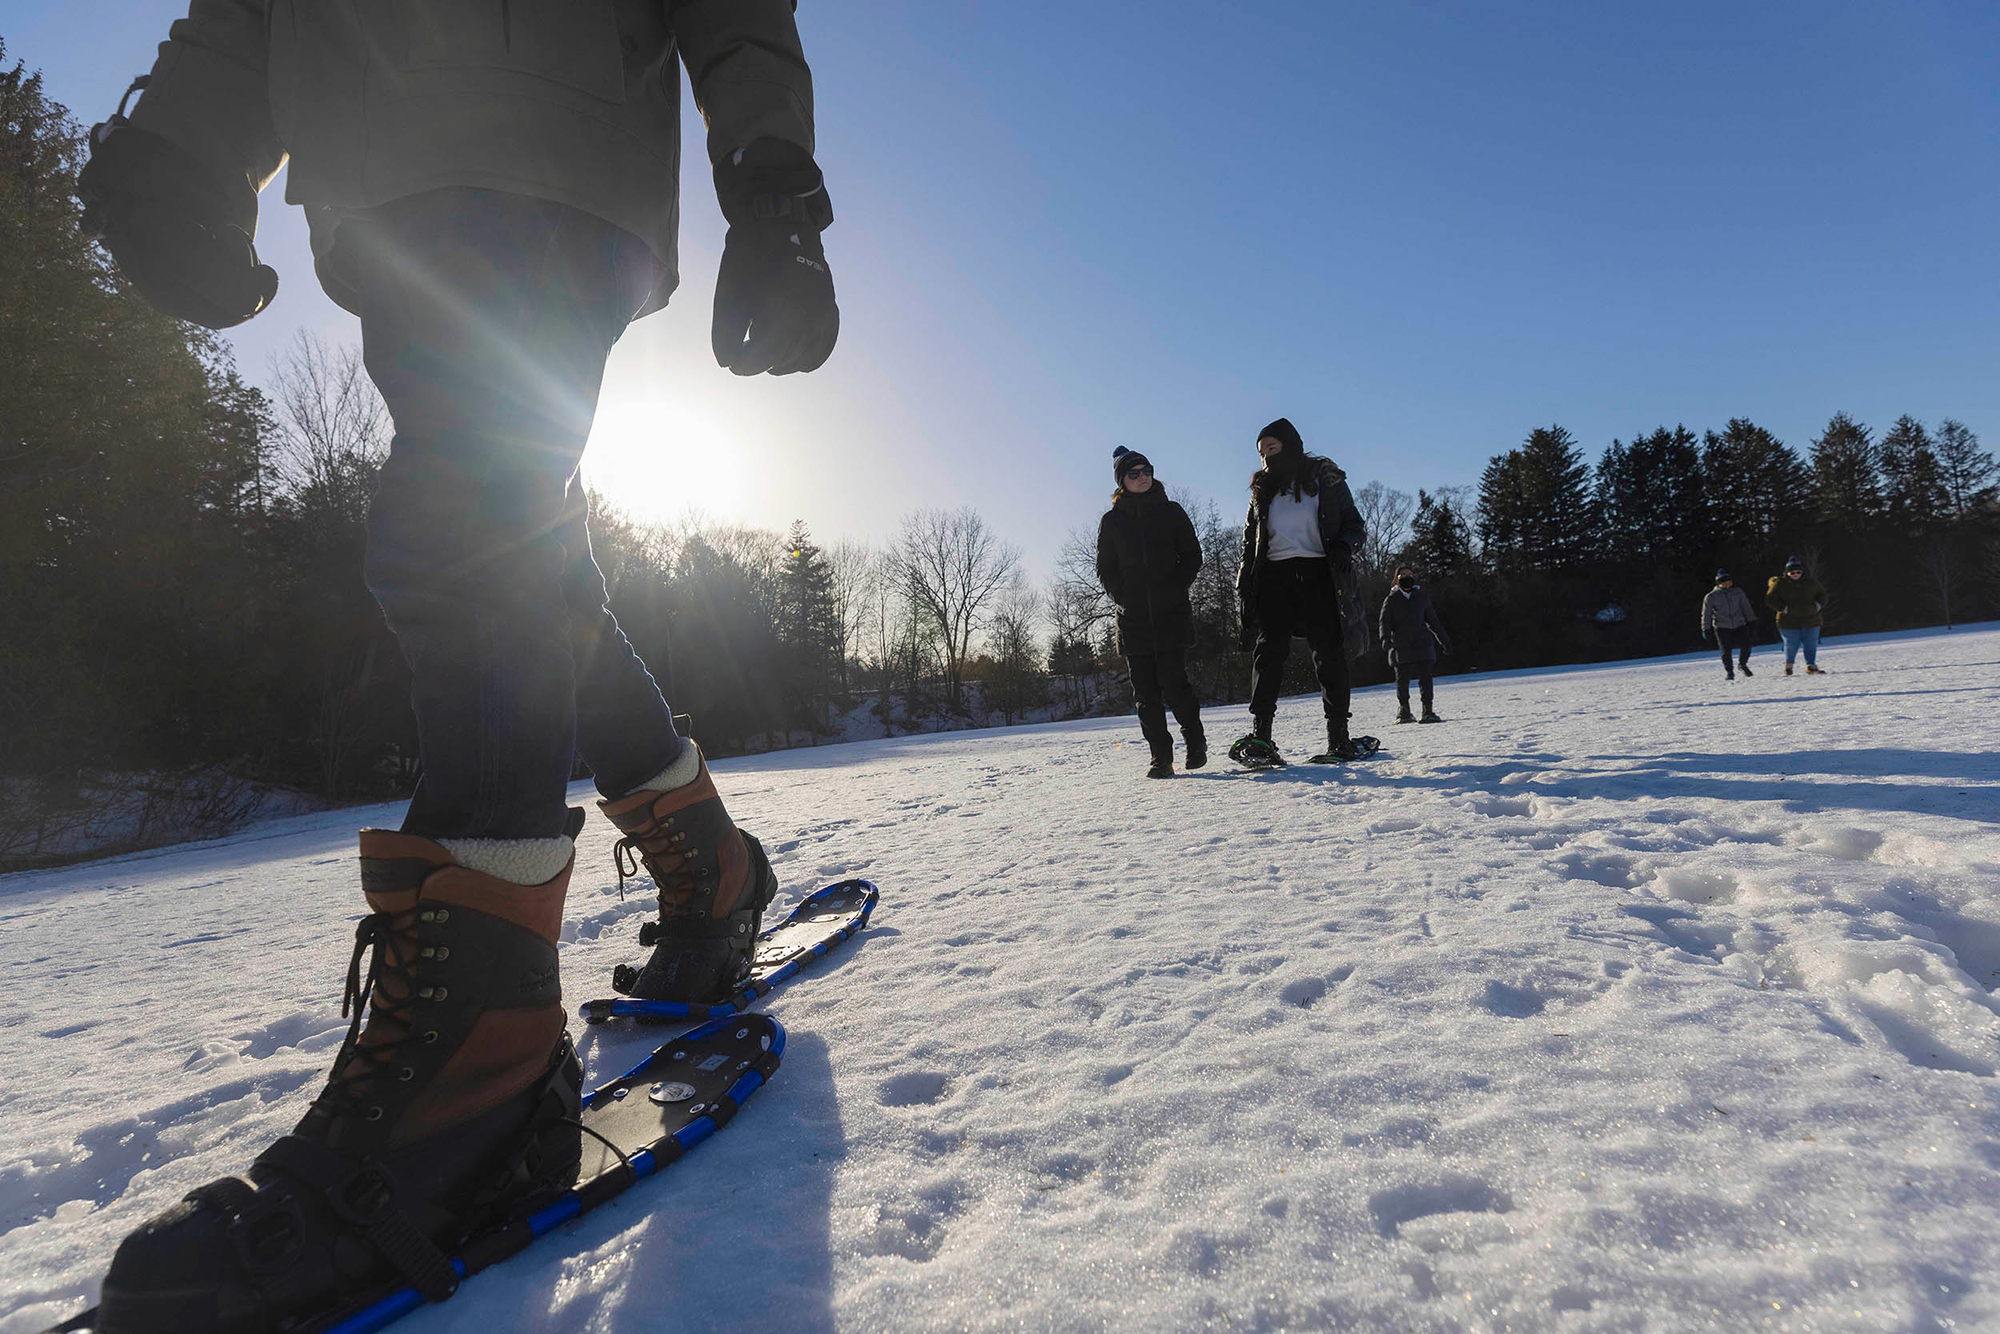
point(1628, 1000)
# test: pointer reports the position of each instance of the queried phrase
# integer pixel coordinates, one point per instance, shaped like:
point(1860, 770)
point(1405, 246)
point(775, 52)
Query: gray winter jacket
point(1726, 609)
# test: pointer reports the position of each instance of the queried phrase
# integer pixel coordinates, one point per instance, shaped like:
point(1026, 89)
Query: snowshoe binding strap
point(362, 1195)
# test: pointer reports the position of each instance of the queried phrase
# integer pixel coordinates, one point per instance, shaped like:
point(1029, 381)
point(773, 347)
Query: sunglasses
point(1141, 471)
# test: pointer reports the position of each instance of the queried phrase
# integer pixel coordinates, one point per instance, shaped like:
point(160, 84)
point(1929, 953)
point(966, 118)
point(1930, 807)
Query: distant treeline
point(184, 618)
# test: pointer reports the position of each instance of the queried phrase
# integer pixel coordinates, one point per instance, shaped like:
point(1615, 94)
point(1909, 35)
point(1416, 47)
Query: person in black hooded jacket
point(1412, 635)
point(1147, 559)
point(1299, 539)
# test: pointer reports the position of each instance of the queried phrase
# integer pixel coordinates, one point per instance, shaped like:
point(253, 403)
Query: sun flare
point(657, 459)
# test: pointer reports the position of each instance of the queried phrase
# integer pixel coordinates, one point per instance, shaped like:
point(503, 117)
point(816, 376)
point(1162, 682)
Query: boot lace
point(393, 950)
point(663, 853)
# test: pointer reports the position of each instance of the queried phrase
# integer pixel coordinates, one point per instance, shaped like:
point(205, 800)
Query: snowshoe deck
point(1254, 752)
point(822, 920)
point(682, 1093)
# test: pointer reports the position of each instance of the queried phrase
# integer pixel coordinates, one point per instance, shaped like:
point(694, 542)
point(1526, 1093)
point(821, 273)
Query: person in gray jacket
point(1728, 618)
point(1412, 635)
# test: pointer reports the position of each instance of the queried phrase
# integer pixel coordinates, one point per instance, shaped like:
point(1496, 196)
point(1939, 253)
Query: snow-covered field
point(1628, 1001)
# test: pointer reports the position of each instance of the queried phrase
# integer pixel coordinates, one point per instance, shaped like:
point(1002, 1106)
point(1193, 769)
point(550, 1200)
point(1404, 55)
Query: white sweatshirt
point(1294, 528)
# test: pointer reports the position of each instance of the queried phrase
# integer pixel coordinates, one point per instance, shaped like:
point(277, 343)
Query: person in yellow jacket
point(494, 190)
point(1800, 601)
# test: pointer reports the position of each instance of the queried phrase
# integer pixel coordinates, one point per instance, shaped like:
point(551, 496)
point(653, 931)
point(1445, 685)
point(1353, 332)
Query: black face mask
point(1406, 582)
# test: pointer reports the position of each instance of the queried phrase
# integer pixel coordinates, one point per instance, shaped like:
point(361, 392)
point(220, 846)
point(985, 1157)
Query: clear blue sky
point(1417, 230)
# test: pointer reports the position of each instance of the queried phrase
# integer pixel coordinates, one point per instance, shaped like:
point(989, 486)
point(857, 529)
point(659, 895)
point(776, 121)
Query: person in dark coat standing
point(1728, 617)
point(1298, 543)
point(1800, 601)
point(1147, 560)
point(1412, 634)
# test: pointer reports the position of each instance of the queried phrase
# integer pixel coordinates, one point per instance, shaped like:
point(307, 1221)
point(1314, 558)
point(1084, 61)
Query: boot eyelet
point(426, 952)
point(431, 1036)
point(443, 915)
point(425, 993)
point(406, 1074)
point(374, 1113)
point(426, 916)
point(439, 994)
point(443, 952)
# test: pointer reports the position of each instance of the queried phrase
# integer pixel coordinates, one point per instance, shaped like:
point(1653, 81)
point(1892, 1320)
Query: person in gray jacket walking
point(1728, 618)
point(1412, 635)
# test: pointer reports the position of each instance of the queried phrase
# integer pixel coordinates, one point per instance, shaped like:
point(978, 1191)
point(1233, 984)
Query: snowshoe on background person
point(450, 1108)
point(1340, 747)
point(1257, 750)
point(714, 882)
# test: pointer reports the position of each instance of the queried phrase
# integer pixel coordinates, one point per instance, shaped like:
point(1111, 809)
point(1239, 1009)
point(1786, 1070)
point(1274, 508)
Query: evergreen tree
point(1754, 486)
point(131, 470)
point(1536, 510)
point(1913, 490)
point(809, 629)
point(1650, 498)
point(1966, 470)
point(1440, 539)
point(1847, 488)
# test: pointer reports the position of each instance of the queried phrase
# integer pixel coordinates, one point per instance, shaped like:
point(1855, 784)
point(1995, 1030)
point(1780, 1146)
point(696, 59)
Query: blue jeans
point(1806, 637)
point(486, 319)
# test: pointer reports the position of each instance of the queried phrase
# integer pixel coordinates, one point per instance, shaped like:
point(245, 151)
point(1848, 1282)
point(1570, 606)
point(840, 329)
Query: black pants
point(1421, 671)
point(1160, 682)
point(1298, 597)
point(1738, 639)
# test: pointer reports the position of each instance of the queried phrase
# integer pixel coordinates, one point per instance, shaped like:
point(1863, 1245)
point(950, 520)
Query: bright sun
point(658, 459)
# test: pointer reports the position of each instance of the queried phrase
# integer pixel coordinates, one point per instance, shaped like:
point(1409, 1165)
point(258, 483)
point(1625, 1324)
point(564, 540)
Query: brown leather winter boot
point(451, 1108)
point(714, 883)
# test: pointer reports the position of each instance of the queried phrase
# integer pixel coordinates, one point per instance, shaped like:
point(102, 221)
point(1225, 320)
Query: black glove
point(774, 307)
point(177, 235)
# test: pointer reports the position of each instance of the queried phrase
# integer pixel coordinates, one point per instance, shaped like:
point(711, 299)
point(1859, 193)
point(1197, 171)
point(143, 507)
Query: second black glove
point(774, 302)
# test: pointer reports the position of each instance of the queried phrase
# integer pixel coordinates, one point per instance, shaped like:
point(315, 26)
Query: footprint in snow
point(915, 1088)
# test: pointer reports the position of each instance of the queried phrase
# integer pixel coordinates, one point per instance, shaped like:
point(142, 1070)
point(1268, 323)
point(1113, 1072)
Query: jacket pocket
point(571, 42)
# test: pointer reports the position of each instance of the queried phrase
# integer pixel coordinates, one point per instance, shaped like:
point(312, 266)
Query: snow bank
point(1629, 1000)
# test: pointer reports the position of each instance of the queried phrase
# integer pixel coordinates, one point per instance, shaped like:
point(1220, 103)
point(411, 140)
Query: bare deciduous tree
point(1943, 572)
point(952, 567)
point(333, 428)
point(1386, 513)
point(853, 566)
point(1014, 682)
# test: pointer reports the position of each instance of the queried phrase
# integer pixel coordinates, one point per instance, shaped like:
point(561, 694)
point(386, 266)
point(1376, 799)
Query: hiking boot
point(1729, 676)
point(714, 883)
point(1161, 769)
point(1430, 717)
point(1745, 669)
point(450, 1109)
point(1196, 741)
point(1405, 716)
point(1815, 671)
point(1788, 669)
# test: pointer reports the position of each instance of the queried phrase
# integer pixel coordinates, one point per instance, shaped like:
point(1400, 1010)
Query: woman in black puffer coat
point(1147, 559)
point(1299, 539)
